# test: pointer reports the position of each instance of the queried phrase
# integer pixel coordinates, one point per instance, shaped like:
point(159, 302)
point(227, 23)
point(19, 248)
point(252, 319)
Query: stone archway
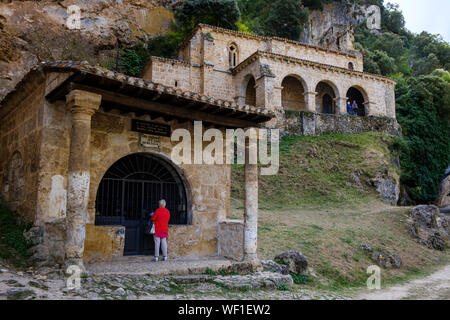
point(131, 189)
point(293, 94)
point(326, 97)
point(356, 94)
point(327, 104)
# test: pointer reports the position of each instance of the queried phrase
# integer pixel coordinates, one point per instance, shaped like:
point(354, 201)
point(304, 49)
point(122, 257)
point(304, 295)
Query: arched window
point(351, 66)
point(233, 55)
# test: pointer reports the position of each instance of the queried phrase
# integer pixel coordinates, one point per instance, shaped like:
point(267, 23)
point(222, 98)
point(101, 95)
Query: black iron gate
point(130, 191)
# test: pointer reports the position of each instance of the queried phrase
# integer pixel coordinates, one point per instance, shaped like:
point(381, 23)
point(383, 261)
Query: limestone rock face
point(294, 260)
point(388, 188)
point(332, 27)
point(444, 192)
point(37, 30)
point(429, 227)
point(387, 259)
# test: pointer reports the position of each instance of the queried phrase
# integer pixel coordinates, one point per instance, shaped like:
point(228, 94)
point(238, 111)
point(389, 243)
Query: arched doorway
point(130, 191)
point(292, 94)
point(250, 92)
point(354, 94)
point(325, 98)
point(327, 104)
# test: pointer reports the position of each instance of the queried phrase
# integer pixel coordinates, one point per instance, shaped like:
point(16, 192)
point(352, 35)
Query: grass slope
point(315, 206)
point(317, 172)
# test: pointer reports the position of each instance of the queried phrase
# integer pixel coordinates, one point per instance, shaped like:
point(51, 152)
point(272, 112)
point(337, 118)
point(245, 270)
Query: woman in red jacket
point(161, 220)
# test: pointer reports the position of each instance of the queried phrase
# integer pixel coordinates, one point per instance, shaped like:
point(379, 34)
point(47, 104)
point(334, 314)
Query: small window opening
point(232, 56)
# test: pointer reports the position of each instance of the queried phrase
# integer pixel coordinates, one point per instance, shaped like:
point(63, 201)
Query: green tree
point(285, 19)
point(392, 19)
point(220, 13)
point(420, 105)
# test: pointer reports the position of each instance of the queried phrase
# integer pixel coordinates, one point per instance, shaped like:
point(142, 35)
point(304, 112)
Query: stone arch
point(247, 90)
point(96, 178)
point(326, 95)
point(15, 181)
point(359, 95)
point(250, 92)
point(293, 93)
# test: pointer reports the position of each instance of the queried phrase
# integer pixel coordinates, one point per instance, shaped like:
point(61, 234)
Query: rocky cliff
point(333, 26)
point(31, 31)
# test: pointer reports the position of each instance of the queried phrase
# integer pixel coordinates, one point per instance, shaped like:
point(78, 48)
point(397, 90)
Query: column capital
point(83, 102)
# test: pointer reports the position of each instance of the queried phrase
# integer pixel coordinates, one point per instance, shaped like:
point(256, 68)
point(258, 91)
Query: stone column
point(264, 88)
point(250, 207)
point(341, 105)
point(310, 101)
point(368, 108)
point(83, 105)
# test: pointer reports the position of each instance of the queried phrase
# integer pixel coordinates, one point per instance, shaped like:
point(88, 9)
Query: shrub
point(13, 245)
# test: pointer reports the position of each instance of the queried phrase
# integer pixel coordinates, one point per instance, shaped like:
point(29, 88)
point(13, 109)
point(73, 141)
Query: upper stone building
point(274, 73)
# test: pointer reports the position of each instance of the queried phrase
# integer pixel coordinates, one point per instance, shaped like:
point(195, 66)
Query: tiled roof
point(85, 67)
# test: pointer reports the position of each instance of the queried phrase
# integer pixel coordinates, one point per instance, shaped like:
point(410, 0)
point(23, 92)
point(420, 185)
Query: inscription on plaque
point(149, 141)
point(151, 128)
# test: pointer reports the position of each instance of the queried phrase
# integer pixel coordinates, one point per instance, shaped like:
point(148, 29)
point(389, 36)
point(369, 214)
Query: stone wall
point(173, 73)
point(103, 243)
point(215, 50)
point(231, 239)
point(21, 126)
point(315, 124)
point(208, 185)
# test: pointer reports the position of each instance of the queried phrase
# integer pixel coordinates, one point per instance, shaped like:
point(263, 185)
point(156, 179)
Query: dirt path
point(434, 287)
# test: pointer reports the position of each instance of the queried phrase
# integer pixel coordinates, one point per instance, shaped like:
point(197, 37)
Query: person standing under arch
point(349, 108)
point(161, 220)
point(354, 108)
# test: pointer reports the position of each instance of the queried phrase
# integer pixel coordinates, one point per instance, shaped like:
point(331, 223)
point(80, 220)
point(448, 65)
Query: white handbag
point(152, 231)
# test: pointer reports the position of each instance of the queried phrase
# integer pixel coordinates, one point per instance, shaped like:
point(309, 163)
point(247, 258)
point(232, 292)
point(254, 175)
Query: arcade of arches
point(294, 96)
